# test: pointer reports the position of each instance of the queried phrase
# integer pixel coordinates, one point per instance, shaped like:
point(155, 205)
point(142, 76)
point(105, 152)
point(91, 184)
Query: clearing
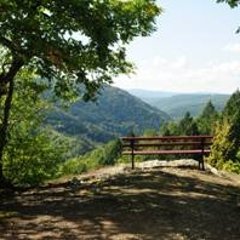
point(116, 203)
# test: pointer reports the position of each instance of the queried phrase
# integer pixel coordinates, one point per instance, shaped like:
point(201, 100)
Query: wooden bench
point(167, 145)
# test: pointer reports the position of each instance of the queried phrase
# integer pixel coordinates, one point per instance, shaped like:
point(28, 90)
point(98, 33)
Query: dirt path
point(150, 203)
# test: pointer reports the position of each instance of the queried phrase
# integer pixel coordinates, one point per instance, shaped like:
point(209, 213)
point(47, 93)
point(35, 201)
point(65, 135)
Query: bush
point(222, 149)
point(33, 158)
point(73, 166)
point(231, 166)
point(107, 154)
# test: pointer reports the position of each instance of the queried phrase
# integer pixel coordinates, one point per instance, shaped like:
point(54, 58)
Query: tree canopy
point(207, 119)
point(232, 106)
point(232, 3)
point(72, 42)
point(187, 125)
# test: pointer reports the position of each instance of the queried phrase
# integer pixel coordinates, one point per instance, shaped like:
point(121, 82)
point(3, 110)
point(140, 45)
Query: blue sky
point(195, 49)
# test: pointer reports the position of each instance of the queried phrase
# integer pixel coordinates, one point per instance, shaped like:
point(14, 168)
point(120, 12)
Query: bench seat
point(165, 152)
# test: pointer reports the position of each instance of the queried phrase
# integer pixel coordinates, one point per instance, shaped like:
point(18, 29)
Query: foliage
point(107, 154)
point(32, 154)
point(231, 166)
point(232, 106)
point(73, 166)
point(33, 159)
point(222, 149)
point(225, 148)
point(232, 3)
point(187, 126)
point(169, 129)
point(232, 113)
point(150, 132)
point(73, 42)
point(208, 111)
point(207, 119)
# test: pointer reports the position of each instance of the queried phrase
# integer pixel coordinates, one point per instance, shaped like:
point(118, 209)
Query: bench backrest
point(163, 142)
point(166, 145)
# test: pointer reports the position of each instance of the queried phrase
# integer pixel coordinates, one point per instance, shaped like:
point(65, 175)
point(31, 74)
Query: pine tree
point(187, 126)
point(209, 110)
point(232, 106)
point(207, 119)
point(232, 113)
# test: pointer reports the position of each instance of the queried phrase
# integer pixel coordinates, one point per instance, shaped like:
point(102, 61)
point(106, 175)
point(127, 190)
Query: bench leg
point(203, 167)
point(201, 163)
point(133, 164)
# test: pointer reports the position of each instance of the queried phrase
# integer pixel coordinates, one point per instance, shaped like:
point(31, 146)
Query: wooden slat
point(166, 152)
point(165, 138)
point(136, 144)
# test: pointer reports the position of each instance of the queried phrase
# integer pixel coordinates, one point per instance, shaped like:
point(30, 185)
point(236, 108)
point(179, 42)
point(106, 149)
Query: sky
point(195, 49)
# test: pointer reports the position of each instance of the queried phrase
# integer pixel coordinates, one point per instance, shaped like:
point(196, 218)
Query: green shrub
point(107, 154)
point(223, 148)
point(33, 158)
point(231, 166)
point(73, 166)
point(225, 152)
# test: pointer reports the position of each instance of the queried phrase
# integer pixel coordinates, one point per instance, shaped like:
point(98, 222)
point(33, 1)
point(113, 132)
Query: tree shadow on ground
point(141, 205)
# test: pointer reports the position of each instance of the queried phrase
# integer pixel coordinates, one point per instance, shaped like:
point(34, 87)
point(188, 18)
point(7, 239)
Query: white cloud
point(180, 76)
point(234, 47)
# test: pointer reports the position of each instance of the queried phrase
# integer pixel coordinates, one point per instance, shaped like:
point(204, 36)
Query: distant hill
point(177, 105)
point(115, 113)
point(148, 95)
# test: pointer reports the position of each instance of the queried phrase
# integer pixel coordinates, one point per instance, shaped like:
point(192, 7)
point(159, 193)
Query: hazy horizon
point(175, 92)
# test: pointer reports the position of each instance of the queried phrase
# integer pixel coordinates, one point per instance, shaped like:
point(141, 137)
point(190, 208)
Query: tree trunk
point(8, 80)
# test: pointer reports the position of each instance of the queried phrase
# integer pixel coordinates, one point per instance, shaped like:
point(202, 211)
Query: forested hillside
point(115, 113)
point(177, 105)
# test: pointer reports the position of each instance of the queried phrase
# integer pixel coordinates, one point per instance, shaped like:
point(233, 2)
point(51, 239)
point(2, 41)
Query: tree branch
point(6, 78)
point(7, 43)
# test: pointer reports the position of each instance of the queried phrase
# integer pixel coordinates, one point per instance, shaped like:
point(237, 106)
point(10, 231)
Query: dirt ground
point(148, 203)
